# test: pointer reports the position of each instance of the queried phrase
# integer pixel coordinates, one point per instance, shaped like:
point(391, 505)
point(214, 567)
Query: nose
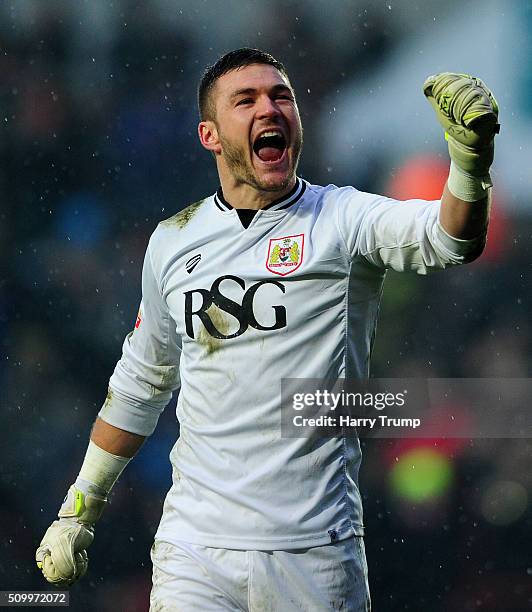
point(266, 107)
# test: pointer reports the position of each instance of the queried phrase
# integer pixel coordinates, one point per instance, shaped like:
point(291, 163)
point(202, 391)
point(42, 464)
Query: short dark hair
point(230, 61)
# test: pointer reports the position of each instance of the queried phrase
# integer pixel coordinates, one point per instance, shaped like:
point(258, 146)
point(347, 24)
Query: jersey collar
point(290, 198)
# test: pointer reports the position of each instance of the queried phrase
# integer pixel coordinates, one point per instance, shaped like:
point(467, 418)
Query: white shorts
point(193, 577)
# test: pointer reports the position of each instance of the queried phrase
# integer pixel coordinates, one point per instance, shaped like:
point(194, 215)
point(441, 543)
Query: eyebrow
point(252, 90)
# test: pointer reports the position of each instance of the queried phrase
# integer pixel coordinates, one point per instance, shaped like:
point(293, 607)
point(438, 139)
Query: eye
point(283, 97)
point(244, 101)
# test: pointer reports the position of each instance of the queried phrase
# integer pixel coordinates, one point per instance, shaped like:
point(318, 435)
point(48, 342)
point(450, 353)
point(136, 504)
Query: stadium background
point(98, 142)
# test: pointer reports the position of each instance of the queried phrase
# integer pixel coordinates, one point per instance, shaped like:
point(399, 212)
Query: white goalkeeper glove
point(468, 112)
point(62, 554)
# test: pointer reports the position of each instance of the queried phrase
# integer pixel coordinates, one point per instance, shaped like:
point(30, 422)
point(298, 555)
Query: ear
point(208, 135)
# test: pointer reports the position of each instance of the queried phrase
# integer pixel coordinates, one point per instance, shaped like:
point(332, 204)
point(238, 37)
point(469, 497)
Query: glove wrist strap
point(466, 187)
point(85, 508)
point(87, 497)
point(101, 469)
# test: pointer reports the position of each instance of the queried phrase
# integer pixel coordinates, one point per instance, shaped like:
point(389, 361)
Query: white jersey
point(229, 311)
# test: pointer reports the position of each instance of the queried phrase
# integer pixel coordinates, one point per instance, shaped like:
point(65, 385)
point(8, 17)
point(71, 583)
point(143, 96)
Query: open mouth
point(270, 146)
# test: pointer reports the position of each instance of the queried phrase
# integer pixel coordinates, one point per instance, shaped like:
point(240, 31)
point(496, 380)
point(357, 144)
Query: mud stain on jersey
point(157, 605)
point(163, 606)
point(182, 218)
point(209, 343)
point(265, 601)
point(169, 376)
point(108, 398)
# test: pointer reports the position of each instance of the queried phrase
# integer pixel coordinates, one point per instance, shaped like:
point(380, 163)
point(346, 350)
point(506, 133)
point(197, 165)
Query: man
point(267, 278)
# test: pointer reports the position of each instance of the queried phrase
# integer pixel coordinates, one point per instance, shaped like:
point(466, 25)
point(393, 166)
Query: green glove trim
point(87, 509)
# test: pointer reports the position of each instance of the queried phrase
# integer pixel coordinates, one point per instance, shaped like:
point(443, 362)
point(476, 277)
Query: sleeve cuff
point(136, 418)
point(464, 249)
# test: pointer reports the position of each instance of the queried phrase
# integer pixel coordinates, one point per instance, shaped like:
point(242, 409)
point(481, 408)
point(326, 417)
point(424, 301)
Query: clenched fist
point(62, 554)
point(468, 112)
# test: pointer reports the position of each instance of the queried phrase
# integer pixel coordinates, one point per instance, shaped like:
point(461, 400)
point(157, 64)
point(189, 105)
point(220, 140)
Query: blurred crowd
point(97, 144)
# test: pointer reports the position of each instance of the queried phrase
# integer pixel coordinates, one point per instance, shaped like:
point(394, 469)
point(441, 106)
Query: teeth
point(271, 133)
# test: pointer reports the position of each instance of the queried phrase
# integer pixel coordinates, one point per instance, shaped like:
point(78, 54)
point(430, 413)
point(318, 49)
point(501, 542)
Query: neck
point(242, 195)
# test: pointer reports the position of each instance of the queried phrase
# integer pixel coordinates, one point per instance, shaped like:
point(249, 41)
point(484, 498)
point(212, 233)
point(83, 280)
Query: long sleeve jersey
point(228, 311)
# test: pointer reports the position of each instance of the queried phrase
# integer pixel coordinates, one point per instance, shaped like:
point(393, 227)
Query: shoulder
point(173, 234)
point(331, 196)
point(350, 199)
point(181, 219)
point(188, 220)
point(331, 193)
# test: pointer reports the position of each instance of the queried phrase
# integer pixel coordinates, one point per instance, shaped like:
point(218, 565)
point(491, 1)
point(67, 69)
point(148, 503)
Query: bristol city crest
point(285, 255)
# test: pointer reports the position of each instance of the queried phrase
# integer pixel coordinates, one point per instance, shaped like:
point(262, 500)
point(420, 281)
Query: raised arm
point(419, 235)
point(462, 219)
point(468, 112)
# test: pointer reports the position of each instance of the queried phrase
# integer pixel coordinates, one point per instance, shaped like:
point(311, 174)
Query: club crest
point(285, 255)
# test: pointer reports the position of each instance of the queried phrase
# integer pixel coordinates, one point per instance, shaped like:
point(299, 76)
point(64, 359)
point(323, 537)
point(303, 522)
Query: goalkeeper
point(233, 284)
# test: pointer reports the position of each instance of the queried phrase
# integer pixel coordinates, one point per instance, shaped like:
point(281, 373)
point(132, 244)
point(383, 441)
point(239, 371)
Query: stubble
point(240, 166)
